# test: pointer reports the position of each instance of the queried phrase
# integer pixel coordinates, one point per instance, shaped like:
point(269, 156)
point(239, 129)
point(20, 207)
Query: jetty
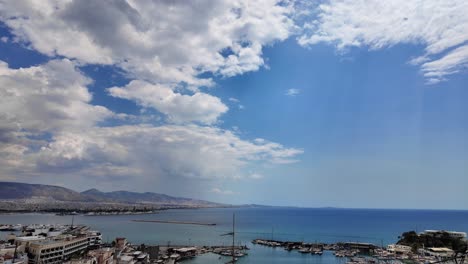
point(175, 222)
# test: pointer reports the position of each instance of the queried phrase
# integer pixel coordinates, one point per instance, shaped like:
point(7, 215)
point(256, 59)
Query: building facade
point(56, 251)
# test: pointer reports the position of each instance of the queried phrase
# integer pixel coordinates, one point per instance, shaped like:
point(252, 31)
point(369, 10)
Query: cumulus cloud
point(49, 124)
point(180, 108)
point(440, 26)
point(46, 98)
point(38, 101)
point(178, 151)
point(163, 41)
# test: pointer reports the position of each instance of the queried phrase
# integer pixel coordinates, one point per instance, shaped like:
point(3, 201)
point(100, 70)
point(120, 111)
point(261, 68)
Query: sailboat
point(233, 253)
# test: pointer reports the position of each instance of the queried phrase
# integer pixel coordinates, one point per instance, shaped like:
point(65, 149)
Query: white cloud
point(47, 98)
point(39, 101)
point(180, 108)
point(237, 101)
point(158, 41)
point(49, 126)
point(224, 192)
point(171, 150)
point(441, 26)
point(292, 92)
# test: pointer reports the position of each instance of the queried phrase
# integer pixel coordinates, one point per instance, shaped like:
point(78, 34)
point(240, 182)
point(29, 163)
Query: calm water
point(323, 225)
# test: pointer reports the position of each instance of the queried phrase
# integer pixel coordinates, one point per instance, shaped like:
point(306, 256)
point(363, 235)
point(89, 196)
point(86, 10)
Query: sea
point(377, 226)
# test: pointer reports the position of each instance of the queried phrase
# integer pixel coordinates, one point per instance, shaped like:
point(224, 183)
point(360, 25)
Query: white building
point(453, 234)
point(398, 249)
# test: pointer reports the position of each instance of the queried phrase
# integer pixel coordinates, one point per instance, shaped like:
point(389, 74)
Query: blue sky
point(285, 107)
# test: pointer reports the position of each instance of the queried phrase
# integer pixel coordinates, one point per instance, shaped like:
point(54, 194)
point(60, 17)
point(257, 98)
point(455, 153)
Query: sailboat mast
point(233, 239)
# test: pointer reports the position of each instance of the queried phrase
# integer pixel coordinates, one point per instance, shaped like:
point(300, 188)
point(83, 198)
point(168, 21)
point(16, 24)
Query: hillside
point(38, 193)
point(16, 190)
point(134, 197)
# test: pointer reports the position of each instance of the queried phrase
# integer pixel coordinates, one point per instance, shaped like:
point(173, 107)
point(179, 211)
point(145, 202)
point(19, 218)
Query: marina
point(308, 226)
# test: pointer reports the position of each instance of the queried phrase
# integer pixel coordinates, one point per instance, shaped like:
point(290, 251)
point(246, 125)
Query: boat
point(316, 251)
point(6, 228)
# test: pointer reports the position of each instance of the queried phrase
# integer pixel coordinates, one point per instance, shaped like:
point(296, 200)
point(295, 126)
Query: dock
point(175, 222)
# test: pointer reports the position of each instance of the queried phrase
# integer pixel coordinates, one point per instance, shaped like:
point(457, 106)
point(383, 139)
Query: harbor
point(251, 224)
point(362, 253)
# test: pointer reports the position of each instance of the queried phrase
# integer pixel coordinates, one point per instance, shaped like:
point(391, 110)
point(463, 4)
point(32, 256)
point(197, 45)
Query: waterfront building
point(186, 252)
point(56, 251)
point(398, 249)
point(439, 252)
point(22, 243)
point(452, 234)
point(362, 247)
point(94, 239)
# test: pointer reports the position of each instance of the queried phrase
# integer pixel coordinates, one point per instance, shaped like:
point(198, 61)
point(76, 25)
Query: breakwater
point(175, 222)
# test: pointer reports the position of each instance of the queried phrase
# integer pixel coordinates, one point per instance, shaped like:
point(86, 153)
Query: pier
point(175, 222)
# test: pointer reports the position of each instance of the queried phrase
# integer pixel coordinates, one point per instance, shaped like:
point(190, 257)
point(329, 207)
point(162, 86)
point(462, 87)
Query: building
point(103, 255)
point(186, 252)
point(121, 243)
point(398, 249)
point(83, 260)
point(56, 251)
point(125, 260)
point(22, 243)
point(153, 252)
point(452, 234)
point(439, 252)
point(9, 259)
point(362, 247)
point(94, 239)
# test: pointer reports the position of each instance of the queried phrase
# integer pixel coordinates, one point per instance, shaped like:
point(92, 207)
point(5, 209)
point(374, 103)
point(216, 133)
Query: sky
point(357, 104)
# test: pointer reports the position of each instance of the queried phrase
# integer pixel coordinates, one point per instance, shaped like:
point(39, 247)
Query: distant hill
point(24, 191)
point(16, 190)
point(135, 197)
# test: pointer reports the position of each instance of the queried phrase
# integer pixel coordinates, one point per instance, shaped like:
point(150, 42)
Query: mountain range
point(15, 191)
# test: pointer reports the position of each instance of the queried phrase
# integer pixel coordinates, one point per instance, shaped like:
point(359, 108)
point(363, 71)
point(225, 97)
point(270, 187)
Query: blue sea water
point(308, 225)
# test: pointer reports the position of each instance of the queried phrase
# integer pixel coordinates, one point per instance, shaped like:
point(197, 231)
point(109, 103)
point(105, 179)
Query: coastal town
point(38, 244)
point(360, 253)
point(78, 244)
